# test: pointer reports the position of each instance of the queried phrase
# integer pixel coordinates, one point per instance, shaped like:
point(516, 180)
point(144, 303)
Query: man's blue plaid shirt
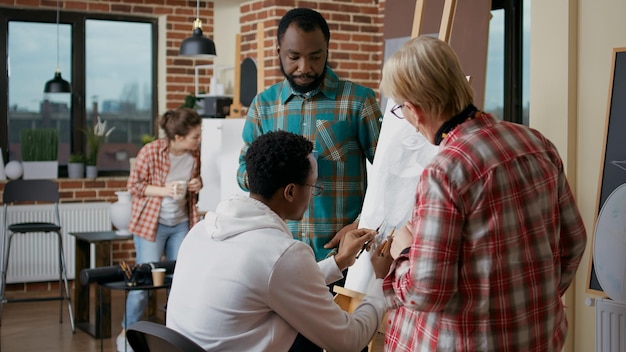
point(343, 120)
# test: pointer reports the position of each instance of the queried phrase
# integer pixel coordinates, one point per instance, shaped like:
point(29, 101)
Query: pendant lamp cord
point(197, 9)
point(58, 68)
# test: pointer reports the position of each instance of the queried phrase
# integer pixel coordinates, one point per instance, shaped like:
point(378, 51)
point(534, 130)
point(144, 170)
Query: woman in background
point(164, 184)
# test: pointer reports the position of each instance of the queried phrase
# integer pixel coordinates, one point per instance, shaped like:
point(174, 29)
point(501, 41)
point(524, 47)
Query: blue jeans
point(168, 240)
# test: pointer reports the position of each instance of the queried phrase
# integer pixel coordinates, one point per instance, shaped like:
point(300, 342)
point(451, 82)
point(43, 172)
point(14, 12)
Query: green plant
point(76, 158)
point(41, 144)
point(147, 138)
point(96, 136)
point(191, 101)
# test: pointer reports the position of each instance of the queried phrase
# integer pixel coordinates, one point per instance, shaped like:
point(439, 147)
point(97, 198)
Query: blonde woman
point(495, 236)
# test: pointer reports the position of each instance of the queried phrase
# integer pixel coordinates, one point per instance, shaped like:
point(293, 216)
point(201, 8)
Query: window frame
point(78, 112)
point(513, 58)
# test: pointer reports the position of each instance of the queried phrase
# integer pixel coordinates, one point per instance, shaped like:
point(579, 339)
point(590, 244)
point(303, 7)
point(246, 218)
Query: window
point(110, 63)
point(119, 86)
point(508, 77)
point(29, 67)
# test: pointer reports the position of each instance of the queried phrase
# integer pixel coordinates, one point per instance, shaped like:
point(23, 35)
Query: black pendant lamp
point(197, 45)
point(57, 84)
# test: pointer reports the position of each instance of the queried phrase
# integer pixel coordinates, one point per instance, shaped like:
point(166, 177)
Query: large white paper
point(401, 155)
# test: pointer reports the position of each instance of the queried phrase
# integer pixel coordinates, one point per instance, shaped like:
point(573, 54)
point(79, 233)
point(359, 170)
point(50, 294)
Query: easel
point(447, 18)
point(237, 108)
point(348, 299)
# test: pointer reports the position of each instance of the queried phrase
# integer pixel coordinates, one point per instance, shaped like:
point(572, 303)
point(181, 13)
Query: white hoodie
point(242, 283)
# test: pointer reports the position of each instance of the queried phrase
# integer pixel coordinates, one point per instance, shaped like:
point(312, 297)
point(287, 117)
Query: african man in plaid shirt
point(341, 118)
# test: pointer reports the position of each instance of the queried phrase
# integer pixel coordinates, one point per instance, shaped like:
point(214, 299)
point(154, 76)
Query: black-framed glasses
point(397, 111)
point(316, 189)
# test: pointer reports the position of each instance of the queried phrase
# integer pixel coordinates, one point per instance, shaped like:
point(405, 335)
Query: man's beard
point(304, 89)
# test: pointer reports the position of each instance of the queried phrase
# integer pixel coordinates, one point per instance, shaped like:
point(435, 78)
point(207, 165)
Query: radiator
point(34, 256)
point(610, 326)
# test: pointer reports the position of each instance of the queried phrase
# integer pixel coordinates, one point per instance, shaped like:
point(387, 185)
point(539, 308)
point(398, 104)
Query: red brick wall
point(179, 14)
point(356, 36)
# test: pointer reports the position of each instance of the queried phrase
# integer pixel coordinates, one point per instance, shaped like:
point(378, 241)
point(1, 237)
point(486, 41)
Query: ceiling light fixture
point(197, 45)
point(57, 84)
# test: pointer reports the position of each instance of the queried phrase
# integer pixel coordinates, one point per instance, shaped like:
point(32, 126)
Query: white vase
point(120, 213)
point(13, 170)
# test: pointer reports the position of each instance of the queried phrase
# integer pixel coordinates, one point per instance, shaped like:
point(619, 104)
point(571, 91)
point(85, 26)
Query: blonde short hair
point(426, 72)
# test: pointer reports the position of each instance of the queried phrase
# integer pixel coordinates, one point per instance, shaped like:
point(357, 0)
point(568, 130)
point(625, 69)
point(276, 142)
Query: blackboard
point(613, 171)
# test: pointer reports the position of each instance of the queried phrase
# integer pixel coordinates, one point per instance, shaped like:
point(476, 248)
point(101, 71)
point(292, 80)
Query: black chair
point(146, 336)
point(39, 191)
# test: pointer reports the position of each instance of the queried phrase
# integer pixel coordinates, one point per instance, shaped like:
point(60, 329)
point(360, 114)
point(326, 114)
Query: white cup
point(180, 189)
point(158, 276)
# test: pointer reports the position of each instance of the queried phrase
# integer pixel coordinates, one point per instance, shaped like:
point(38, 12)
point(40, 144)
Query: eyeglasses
point(316, 189)
point(397, 111)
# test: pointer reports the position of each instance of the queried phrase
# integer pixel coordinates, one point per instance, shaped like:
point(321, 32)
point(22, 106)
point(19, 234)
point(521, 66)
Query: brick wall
point(356, 36)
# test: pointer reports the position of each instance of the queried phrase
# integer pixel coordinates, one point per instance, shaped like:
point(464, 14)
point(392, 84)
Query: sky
point(110, 67)
point(494, 94)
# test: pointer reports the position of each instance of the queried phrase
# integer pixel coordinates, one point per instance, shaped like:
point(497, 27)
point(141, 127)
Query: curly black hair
point(276, 159)
point(306, 19)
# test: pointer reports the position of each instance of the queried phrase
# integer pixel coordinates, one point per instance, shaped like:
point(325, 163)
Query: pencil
point(367, 243)
point(126, 269)
point(363, 249)
point(382, 249)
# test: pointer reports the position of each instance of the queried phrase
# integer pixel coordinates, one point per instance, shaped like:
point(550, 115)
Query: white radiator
point(610, 326)
point(34, 256)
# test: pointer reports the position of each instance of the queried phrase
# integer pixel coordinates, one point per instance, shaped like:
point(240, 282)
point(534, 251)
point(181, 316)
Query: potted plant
point(39, 153)
point(96, 136)
point(147, 138)
point(191, 101)
point(76, 166)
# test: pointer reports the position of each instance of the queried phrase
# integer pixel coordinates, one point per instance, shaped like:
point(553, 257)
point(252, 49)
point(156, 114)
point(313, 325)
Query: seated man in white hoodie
point(242, 283)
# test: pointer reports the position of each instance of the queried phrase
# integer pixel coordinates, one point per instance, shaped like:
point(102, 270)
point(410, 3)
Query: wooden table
point(103, 240)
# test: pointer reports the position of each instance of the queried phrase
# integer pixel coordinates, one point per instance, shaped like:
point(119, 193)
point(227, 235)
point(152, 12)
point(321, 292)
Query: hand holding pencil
point(386, 242)
point(381, 258)
point(367, 244)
